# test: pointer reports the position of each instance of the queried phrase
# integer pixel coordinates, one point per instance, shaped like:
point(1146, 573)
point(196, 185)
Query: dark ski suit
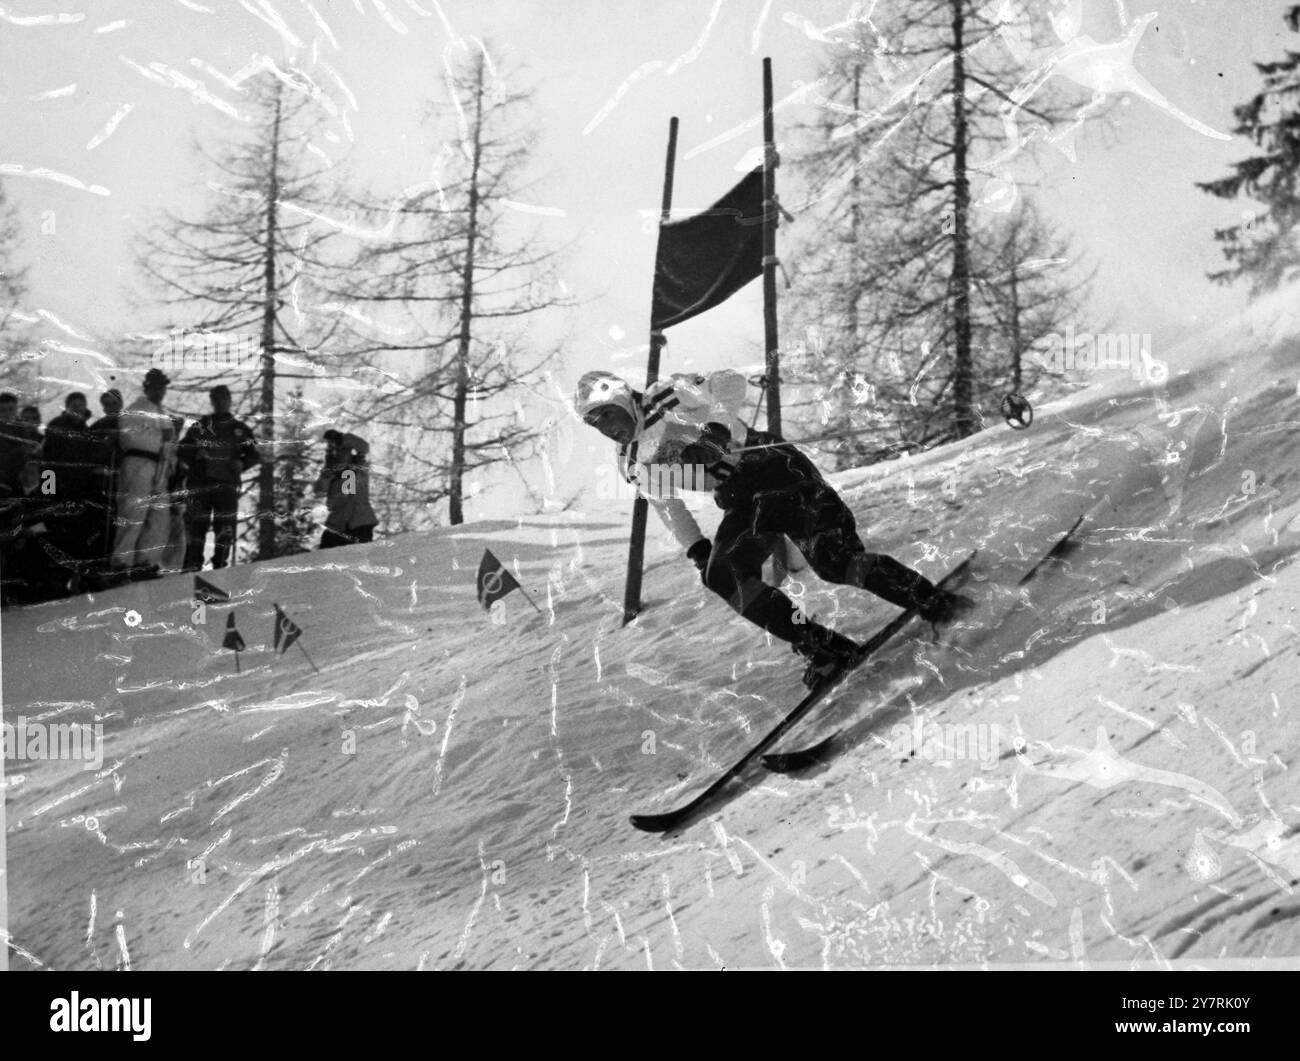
point(691, 421)
point(218, 450)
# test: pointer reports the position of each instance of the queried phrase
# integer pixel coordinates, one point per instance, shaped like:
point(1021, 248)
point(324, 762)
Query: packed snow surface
point(1100, 768)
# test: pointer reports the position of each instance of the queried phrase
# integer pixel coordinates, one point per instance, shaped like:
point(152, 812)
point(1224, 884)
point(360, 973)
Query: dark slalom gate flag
point(232, 639)
point(286, 631)
point(494, 581)
point(207, 593)
point(704, 260)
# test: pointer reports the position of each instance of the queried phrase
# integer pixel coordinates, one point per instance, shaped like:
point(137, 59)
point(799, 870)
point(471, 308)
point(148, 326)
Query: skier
point(691, 423)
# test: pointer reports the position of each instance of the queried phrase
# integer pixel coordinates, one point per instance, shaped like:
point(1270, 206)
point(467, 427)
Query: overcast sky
point(112, 94)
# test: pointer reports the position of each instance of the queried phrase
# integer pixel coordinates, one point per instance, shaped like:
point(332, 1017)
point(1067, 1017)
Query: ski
point(1064, 545)
point(662, 823)
point(797, 761)
point(801, 759)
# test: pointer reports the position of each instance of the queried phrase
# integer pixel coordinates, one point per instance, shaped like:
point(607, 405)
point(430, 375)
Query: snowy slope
point(452, 792)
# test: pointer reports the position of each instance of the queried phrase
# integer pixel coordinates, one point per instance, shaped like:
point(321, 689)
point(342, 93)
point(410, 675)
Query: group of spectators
point(134, 495)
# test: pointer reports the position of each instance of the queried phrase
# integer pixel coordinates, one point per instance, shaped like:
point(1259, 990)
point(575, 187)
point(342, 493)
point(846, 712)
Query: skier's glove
point(699, 555)
point(716, 433)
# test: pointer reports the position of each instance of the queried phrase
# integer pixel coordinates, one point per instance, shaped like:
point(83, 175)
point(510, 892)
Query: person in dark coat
point(103, 433)
point(217, 450)
point(69, 451)
point(345, 482)
point(69, 467)
point(26, 573)
point(111, 403)
point(31, 416)
point(18, 443)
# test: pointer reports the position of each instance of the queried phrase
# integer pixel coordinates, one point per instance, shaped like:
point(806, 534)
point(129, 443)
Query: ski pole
point(762, 395)
point(803, 441)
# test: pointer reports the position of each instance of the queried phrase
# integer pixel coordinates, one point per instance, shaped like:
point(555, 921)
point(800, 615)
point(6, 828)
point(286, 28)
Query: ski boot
point(825, 650)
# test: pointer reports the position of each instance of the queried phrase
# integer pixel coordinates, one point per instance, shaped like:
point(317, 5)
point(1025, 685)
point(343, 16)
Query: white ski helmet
point(597, 388)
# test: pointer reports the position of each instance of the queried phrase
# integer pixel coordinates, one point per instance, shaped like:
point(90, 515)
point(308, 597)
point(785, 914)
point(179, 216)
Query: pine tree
point(295, 527)
point(909, 168)
point(1264, 250)
point(904, 275)
point(297, 461)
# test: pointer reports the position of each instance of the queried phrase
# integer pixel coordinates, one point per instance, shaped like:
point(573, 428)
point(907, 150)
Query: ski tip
point(654, 823)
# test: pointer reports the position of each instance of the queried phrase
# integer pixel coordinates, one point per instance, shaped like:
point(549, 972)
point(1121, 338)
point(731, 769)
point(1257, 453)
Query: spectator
point(23, 565)
point(18, 442)
point(345, 482)
point(145, 439)
point(27, 574)
point(218, 450)
point(111, 402)
point(31, 473)
point(11, 545)
point(68, 452)
point(104, 432)
point(68, 476)
point(176, 549)
point(74, 408)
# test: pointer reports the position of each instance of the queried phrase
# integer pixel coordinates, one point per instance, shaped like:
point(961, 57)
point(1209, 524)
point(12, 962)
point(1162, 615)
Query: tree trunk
point(1016, 350)
point(847, 397)
point(855, 225)
point(456, 512)
point(773, 361)
point(963, 379)
point(266, 475)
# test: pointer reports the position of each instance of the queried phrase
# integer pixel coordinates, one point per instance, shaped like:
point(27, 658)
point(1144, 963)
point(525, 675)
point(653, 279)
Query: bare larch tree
point(913, 169)
point(254, 259)
point(460, 280)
